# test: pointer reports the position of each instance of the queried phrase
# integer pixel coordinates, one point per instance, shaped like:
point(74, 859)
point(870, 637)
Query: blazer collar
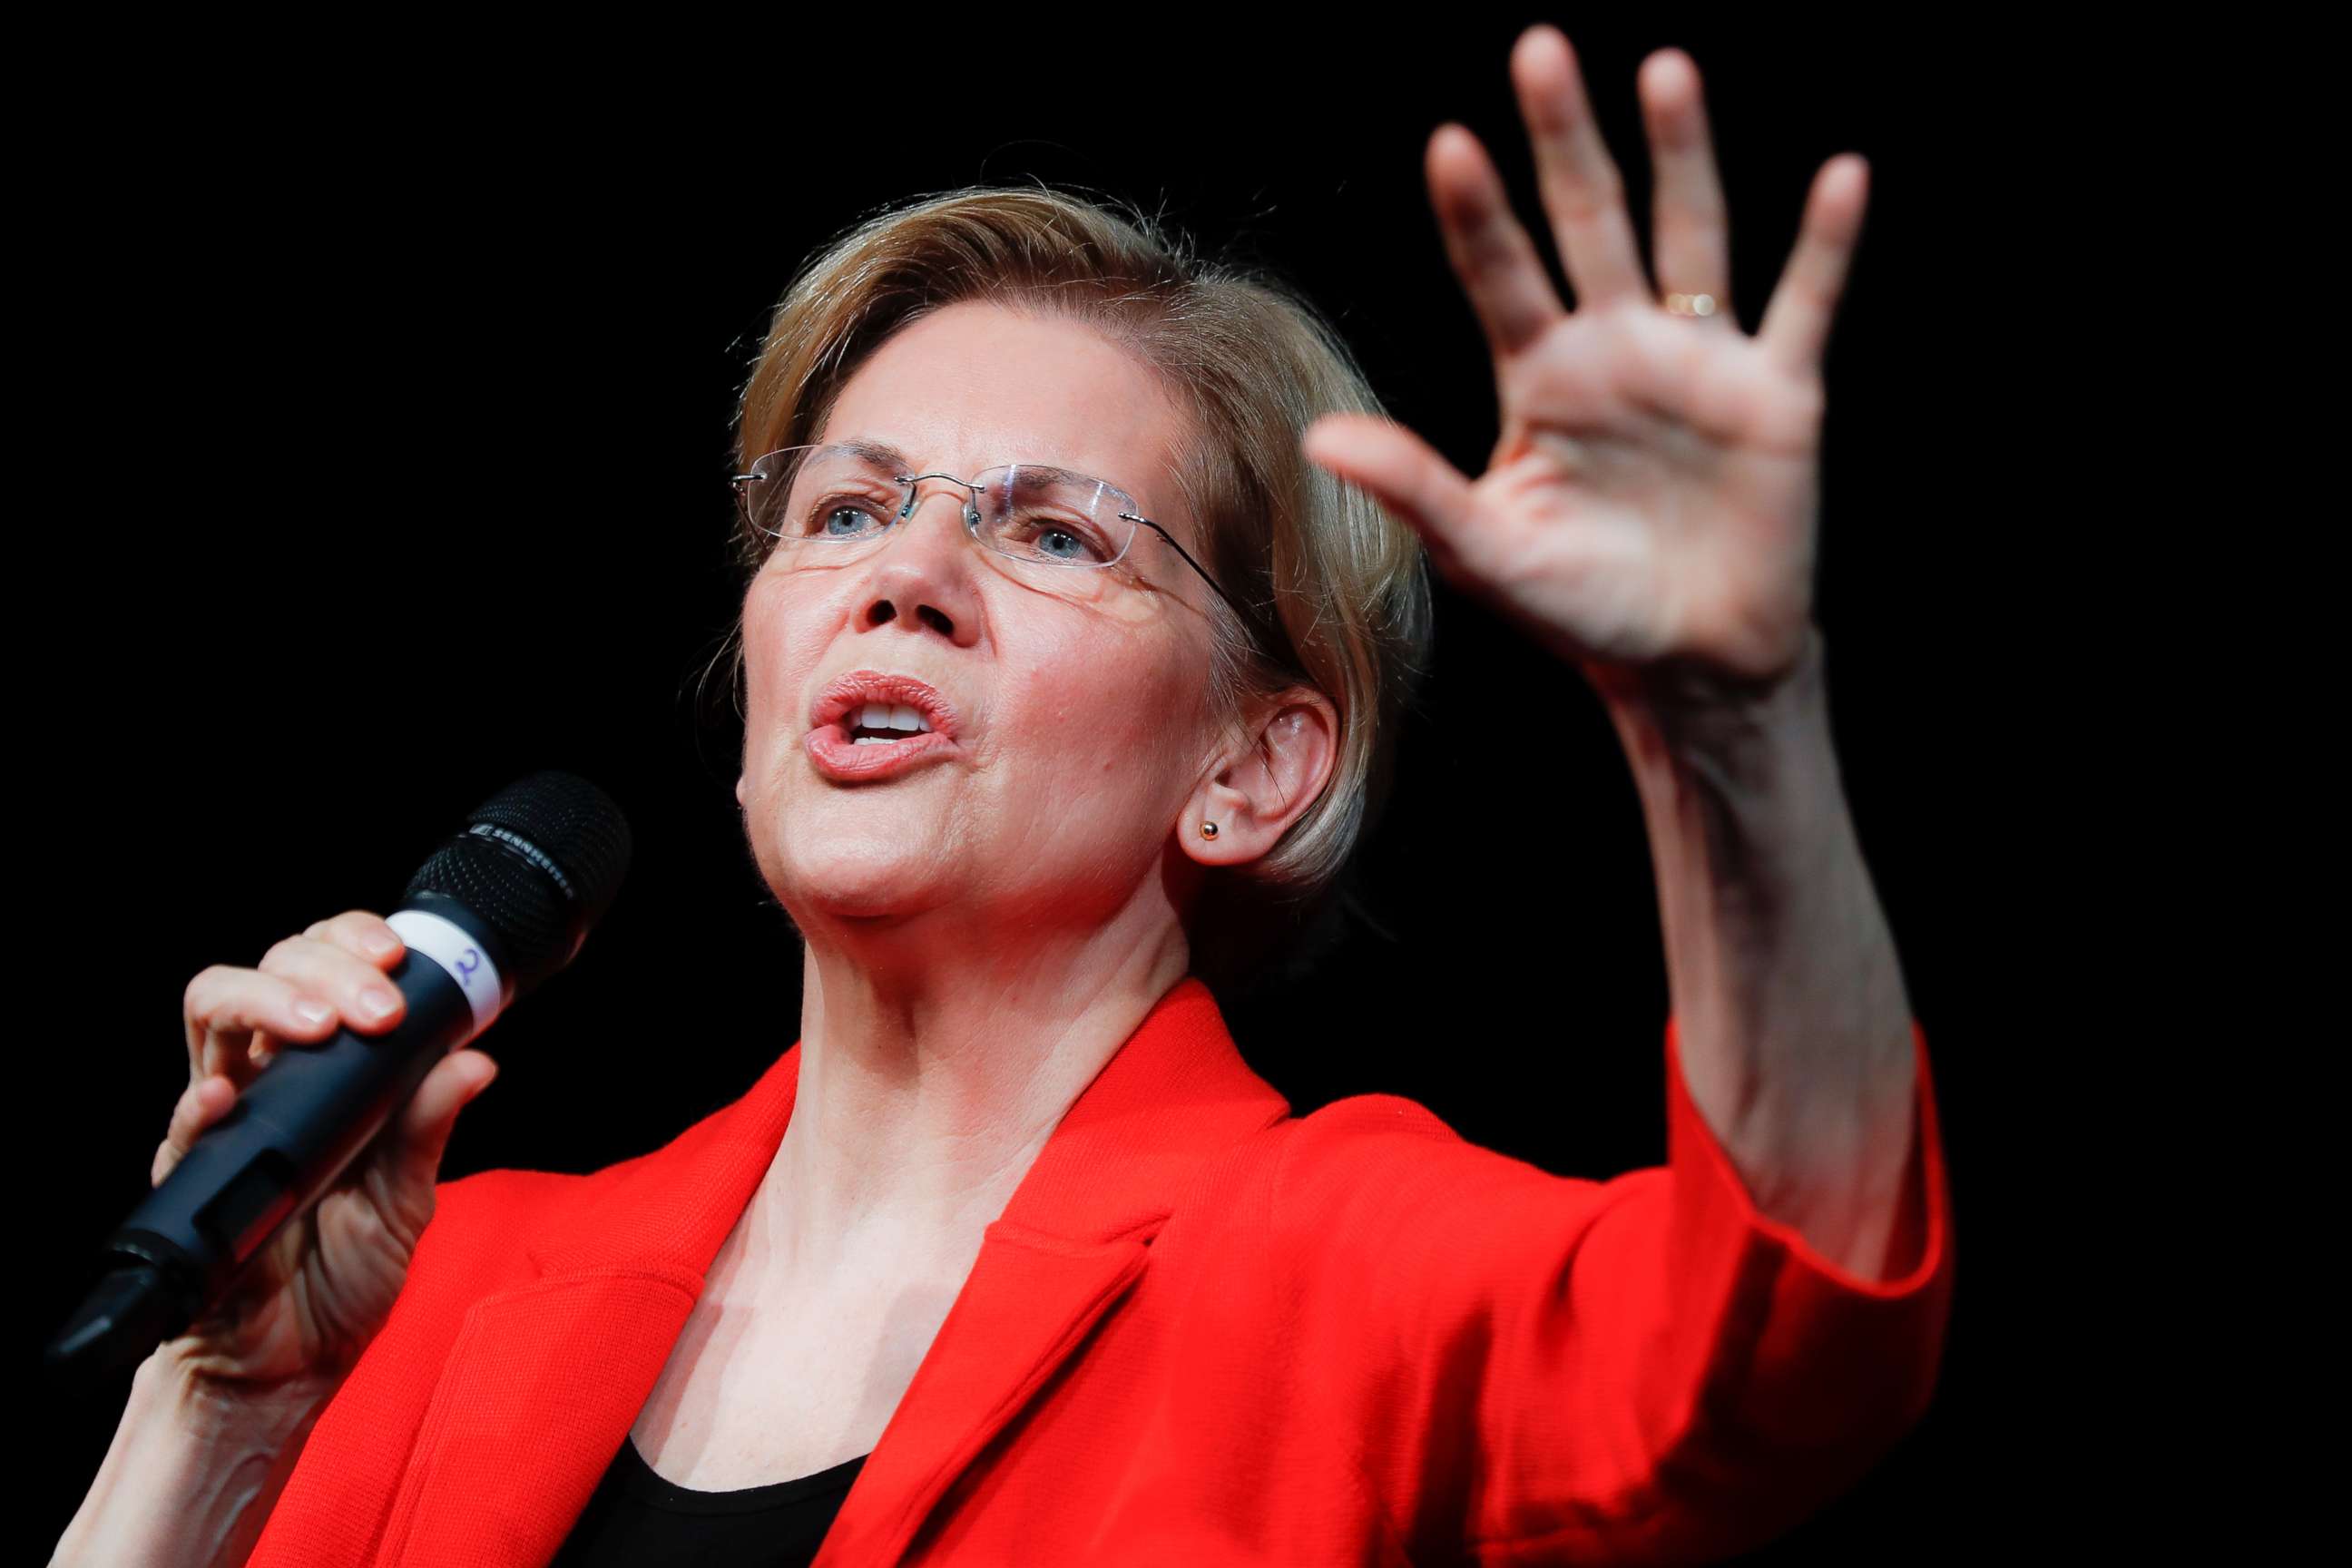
point(1177, 1091)
point(619, 1274)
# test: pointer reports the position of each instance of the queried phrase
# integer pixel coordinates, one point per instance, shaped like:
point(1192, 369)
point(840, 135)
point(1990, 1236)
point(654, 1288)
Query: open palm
point(1654, 494)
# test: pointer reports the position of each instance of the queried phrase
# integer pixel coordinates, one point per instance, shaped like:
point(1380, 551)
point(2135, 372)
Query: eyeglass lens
point(836, 498)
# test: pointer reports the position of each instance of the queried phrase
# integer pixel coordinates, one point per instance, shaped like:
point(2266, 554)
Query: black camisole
point(635, 1517)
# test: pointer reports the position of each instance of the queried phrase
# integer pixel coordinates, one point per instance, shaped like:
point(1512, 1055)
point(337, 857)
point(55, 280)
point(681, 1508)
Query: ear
point(1288, 749)
point(740, 779)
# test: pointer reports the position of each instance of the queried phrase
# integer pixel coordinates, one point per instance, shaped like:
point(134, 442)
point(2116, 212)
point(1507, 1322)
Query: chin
point(859, 881)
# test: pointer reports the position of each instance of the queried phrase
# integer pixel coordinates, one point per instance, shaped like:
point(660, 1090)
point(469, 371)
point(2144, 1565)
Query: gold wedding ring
point(1690, 304)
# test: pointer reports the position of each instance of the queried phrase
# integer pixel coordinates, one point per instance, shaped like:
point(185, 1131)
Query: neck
point(934, 1066)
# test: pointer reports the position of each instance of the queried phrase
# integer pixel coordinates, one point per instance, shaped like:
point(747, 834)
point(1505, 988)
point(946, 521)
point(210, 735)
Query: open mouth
point(883, 723)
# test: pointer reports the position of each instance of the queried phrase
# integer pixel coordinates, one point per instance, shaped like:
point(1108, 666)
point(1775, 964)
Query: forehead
point(974, 385)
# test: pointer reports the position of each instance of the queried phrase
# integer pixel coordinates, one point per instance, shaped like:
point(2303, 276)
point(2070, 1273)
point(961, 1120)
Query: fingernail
point(312, 1012)
point(380, 942)
point(377, 1001)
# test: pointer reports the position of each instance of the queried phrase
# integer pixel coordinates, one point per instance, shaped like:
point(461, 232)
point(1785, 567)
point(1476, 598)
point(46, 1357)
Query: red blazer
point(1203, 1331)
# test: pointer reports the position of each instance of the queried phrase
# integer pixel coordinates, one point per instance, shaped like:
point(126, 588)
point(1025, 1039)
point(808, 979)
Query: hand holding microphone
point(298, 1170)
point(313, 1297)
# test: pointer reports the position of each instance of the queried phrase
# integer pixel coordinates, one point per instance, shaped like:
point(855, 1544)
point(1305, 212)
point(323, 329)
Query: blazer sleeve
point(334, 1508)
point(1530, 1367)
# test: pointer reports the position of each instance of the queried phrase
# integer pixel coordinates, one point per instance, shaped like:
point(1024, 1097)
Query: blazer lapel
point(545, 1379)
point(541, 1387)
point(1072, 1243)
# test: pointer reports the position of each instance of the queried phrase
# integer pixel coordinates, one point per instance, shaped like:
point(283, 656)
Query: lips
point(860, 686)
point(836, 756)
point(829, 744)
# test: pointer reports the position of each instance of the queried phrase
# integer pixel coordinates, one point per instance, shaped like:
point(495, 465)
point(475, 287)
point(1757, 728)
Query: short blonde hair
point(1342, 587)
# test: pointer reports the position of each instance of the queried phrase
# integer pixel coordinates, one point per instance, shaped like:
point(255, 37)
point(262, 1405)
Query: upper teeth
point(888, 716)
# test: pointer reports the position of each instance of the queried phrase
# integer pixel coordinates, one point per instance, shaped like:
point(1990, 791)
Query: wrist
point(193, 1470)
point(1739, 765)
point(1746, 812)
point(1694, 705)
point(209, 1408)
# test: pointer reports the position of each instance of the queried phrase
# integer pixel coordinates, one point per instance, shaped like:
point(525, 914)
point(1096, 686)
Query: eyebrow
point(885, 454)
point(881, 452)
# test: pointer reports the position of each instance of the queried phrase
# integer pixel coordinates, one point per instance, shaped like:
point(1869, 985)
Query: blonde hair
point(1341, 588)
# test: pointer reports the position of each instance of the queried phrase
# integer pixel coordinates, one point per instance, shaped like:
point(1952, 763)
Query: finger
point(352, 986)
point(201, 1104)
point(1796, 327)
point(363, 934)
point(1406, 475)
point(1497, 263)
point(224, 1005)
point(1582, 188)
point(1693, 248)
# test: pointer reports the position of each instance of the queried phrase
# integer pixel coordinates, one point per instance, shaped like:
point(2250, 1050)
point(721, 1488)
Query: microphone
point(502, 905)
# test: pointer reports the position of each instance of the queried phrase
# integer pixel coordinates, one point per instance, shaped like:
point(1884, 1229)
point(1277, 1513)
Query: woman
point(1010, 1256)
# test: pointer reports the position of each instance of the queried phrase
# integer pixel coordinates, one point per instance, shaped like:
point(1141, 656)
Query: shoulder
point(1348, 1122)
point(485, 1223)
point(497, 1215)
point(1374, 1159)
point(1373, 1130)
point(507, 1196)
point(503, 1196)
point(482, 1225)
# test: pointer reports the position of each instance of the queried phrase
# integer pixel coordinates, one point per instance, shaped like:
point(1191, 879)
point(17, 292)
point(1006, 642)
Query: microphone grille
point(540, 862)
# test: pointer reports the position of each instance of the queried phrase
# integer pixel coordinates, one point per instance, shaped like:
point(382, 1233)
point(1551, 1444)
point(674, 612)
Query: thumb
point(1404, 472)
point(431, 1114)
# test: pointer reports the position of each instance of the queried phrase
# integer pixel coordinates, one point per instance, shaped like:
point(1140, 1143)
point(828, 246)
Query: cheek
point(1122, 737)
point(771, 667)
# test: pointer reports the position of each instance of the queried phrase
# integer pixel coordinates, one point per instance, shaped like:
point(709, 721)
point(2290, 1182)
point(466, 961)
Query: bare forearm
point(1792, 1024)
point(190, 1478)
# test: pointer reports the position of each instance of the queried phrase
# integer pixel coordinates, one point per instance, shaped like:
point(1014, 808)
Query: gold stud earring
point(1208, 830)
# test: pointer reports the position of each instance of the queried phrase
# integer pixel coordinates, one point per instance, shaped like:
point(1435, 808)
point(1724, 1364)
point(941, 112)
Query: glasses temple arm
point(1212, 582)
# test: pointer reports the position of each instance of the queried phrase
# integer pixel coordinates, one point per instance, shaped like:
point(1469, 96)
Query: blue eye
point(857, 515)
point(1042, 537)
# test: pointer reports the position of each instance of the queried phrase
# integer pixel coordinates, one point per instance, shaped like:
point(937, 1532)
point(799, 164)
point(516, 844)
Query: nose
point(922, 574)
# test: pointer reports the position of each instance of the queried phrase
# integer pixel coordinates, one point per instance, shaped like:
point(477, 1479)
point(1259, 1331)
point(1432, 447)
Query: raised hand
point(1653, 498)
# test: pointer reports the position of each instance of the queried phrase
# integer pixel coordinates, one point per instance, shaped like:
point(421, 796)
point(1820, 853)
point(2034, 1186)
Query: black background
point(388, 428)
